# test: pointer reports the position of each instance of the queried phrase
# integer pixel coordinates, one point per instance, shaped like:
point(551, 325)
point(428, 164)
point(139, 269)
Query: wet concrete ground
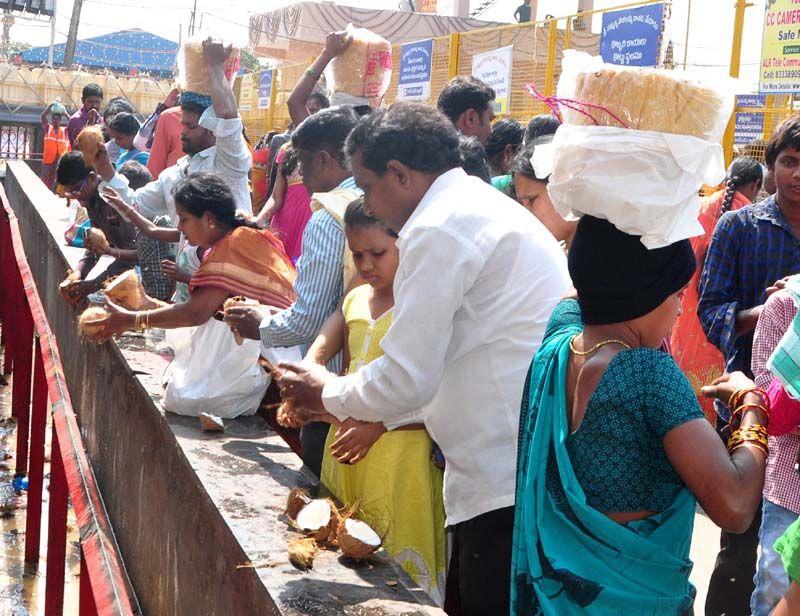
point(22, 586)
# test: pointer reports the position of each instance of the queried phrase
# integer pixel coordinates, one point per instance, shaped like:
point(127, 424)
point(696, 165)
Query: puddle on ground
point(22, 586)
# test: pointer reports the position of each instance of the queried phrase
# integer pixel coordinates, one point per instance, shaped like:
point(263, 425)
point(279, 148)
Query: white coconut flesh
point(363, 532)
point(315, 515)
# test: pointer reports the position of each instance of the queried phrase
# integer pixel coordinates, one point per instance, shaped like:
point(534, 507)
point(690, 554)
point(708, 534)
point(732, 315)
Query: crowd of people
point(528, 409)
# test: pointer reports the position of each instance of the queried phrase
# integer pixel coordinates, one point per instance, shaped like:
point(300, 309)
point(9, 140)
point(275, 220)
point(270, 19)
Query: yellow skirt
point(400, 495)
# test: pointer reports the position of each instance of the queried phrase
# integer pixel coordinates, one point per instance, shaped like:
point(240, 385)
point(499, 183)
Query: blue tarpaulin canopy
point(118, 51)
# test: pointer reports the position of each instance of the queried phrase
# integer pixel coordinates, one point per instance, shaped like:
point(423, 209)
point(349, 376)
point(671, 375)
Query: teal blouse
point(617, 451)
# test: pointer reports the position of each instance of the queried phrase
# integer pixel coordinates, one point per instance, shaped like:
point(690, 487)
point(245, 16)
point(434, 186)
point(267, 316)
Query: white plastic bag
point(645, 183)
point(659, 100)
point(364, 70)
point(213, 374)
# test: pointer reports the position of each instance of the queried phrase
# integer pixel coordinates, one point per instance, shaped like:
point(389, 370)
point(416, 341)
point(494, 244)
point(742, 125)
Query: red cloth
point(167, 147)
point(700, 360)
point(784, 414)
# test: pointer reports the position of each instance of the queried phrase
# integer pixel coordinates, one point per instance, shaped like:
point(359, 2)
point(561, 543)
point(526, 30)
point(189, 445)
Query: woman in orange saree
point(237, 259)
point(700, 360)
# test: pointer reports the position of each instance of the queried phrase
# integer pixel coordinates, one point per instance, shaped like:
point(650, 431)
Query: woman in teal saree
point(614, 448)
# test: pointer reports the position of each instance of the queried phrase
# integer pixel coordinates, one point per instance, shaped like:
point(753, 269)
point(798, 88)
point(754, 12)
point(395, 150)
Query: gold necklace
point(595, 347)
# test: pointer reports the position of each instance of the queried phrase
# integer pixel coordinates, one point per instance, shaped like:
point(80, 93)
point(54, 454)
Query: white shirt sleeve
point(436, 270)
point(149, 200)
point(233, 158)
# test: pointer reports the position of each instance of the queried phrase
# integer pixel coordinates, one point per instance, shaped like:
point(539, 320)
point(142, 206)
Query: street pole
point(686, 43)
point(192, 20)
point(51, 52)
point(72, 35)
point(736, 60)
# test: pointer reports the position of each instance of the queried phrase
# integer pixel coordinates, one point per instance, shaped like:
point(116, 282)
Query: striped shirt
point(319, 287)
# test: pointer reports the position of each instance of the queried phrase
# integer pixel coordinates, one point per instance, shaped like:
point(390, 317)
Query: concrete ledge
point(189, 508)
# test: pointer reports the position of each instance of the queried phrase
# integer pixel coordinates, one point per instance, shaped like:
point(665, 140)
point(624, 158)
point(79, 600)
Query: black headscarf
point(617, 278)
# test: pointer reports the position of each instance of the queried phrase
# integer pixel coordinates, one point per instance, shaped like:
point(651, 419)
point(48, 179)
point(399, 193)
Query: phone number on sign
point(793, 74)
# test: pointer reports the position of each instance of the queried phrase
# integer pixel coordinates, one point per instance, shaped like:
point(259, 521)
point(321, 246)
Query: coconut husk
point(211, 423)
point(96, 241)
point(92, 313)
point(298, 498)
point(238, 300)
point(89, 141)
point(127, 291)
point(354, 547)
point(302, 553)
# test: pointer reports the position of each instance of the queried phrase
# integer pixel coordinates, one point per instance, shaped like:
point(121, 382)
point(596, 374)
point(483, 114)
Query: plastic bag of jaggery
point(364, 70)
point(592, 93)
point(193, 70)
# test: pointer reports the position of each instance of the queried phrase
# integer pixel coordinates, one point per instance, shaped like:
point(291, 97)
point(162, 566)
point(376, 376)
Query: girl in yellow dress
point(390, 475)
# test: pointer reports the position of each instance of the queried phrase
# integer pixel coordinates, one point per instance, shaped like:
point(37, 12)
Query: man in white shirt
point(477, 281)
point(212, 138)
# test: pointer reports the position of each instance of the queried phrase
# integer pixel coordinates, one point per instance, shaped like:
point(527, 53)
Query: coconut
point(320, 519)
point(92, 313)
point(298, 498)
point(284, 413)
point(96, 241)
point(302, 552)
point(238, 300)
point(357, 539)
point(127, 291)
point(211, 423)
point(89, 141)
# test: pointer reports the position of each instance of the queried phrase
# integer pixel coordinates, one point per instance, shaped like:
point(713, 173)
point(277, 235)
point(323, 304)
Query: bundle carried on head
point(599, 94)
point(89, 141)
point(364, 70)
point(58, 108)
point(193, 67)
point(635, 147)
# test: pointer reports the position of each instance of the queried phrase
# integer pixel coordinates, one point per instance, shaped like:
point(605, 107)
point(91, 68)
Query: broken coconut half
point(127, 291)
point(320, 519)
point(298, 498)
point(211, 423)
point(357, 539)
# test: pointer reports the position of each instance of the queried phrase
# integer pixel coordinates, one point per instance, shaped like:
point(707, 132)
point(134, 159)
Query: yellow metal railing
point(538, 50)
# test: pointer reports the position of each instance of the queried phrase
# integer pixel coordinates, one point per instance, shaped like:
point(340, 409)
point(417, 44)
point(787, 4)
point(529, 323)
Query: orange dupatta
point(700, 360)
point(249, 262)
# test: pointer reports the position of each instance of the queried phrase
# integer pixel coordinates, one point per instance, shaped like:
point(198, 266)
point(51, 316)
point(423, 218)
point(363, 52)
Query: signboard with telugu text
point(414, 82)
point(748, 125)
point(246, 93)
point(632, 37)
point(494, 69)
point(264, 89)
point(780, 48)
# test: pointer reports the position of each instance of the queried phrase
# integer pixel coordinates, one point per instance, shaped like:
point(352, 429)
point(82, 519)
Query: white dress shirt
point(478, 278)
point(230, 157)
